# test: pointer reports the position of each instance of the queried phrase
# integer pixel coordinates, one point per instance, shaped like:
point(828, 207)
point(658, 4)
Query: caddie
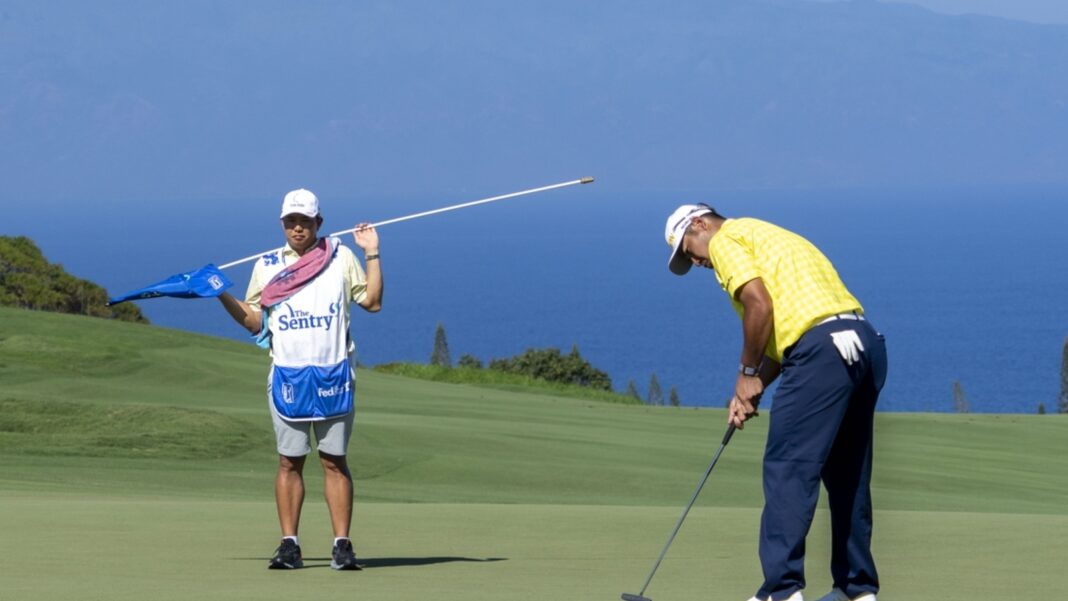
point(798, 321)
point(297, 304)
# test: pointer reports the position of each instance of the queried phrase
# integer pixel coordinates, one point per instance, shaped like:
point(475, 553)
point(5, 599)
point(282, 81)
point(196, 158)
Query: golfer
point(800, 321)
point(297, 304)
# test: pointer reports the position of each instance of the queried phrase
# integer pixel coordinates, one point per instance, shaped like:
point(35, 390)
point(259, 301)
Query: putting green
point(74, 547)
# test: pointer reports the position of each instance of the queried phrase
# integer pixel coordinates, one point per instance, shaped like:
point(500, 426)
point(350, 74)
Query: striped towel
point(294, 277)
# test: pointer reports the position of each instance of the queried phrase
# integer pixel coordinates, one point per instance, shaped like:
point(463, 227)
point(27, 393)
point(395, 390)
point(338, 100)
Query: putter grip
point(727, 436)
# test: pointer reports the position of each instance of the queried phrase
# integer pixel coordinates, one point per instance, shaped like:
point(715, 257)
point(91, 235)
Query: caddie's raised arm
point(366, 237)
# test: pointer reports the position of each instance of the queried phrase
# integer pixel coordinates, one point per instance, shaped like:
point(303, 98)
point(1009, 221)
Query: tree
point(29, 281)
point(960, 401)
point(440, 356)
point(1062, 406)
point(469, 361)
point(673, 398)
point(632, 390)
point(551, 365)
point(656, 396)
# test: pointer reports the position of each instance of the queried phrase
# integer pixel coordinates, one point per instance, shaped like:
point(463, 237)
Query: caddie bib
point(311, 375)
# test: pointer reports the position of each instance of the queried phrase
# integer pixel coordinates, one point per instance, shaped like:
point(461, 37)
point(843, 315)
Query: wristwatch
point(745, 370)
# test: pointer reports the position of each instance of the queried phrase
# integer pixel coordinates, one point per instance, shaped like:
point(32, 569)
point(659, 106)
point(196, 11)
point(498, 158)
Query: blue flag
point(206, 282)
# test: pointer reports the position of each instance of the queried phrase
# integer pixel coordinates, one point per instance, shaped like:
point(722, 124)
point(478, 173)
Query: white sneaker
point(838, 594)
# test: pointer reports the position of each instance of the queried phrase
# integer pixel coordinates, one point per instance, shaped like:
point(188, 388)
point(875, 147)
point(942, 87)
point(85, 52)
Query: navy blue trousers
point(821, 429)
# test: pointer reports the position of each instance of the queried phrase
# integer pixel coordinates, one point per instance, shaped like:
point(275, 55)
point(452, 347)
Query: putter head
point(630, 597)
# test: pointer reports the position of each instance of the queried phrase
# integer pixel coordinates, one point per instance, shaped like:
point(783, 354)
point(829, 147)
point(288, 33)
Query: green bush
point(553, 366)
point(29, 281)
point(469, 361)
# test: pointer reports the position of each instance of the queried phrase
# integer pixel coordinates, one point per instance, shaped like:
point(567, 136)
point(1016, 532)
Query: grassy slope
point(135, 437)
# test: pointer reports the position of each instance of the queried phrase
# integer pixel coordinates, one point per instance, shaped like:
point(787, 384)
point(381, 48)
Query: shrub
point(553, 366)
point(29, 281)
point(469, 362)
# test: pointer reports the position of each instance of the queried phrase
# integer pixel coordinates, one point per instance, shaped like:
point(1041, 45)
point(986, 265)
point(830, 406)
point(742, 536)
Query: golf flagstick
point(584, 180)
point(641, 594)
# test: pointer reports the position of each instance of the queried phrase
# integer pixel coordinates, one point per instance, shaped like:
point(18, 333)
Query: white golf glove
point(849, 345)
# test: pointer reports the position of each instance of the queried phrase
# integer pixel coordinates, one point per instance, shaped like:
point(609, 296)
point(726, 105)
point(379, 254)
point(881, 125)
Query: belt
point(853, 315)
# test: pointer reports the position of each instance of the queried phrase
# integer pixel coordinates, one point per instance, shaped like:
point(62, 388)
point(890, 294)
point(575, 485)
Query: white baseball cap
point(675, 229)
point(300, 201)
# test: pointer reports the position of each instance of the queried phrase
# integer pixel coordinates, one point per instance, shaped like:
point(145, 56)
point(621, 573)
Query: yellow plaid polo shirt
point(804, 286)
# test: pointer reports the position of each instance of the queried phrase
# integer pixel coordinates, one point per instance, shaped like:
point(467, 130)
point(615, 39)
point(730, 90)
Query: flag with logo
point(206, 282)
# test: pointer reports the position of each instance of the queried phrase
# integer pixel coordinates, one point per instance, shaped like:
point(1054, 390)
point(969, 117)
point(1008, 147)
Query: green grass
point(58, 428)
point(137, 462)
point(108, 548)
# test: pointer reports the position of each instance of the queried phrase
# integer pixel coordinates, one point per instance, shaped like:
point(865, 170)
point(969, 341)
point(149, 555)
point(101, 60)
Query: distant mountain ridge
point(201, 100)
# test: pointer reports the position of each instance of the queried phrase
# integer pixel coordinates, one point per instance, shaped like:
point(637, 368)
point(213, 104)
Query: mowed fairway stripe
point(74, 547)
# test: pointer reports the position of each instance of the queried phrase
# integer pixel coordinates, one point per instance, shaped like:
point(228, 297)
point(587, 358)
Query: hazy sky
point(129, 100)
point(1036, 11)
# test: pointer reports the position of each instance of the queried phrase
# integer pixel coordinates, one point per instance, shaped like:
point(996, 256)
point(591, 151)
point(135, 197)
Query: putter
point(641, 594)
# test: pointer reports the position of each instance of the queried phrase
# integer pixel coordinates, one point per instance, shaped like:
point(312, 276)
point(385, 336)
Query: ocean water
point(968, 286)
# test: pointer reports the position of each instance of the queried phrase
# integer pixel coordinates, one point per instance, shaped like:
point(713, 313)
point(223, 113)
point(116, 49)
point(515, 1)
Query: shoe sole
point(281, 565)
point(345, 567)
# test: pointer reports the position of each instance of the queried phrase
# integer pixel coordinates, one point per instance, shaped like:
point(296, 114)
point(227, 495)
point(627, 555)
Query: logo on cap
point(300, 201)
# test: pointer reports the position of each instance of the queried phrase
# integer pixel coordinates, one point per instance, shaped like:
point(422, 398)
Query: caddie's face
point(301, 230)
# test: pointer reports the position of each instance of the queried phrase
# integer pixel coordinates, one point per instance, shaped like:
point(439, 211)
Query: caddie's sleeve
point(255, 287)
point(355, 278)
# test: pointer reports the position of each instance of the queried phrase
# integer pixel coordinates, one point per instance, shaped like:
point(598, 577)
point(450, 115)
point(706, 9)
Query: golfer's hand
point(749, 389)
point(366, 237)
point(747, 393)
point(739, 412)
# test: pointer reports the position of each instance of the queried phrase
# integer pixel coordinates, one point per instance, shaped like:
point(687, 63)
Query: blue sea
point(968, 286)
